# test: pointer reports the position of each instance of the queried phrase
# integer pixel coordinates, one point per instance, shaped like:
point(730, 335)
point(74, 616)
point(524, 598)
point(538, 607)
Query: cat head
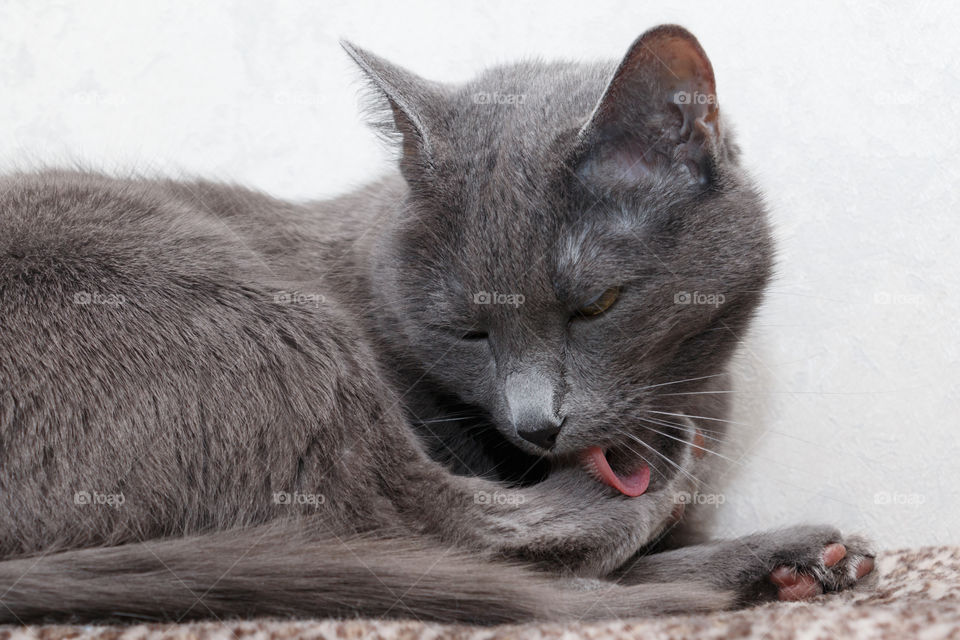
point(575, 239)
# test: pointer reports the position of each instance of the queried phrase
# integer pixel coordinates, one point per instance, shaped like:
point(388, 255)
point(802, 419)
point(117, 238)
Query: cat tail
point(279, 570)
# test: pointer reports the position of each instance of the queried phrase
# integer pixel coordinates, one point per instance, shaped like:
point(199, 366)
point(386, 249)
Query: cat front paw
point(797, 563)
point(821, 560)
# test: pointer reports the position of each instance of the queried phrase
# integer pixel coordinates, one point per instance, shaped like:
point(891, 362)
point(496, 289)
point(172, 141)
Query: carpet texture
point(916, 595)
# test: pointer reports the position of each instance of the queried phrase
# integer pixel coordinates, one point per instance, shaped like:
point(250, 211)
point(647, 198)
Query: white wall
point(848, 117)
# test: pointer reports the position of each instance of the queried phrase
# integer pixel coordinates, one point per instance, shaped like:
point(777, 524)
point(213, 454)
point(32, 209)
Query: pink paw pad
point(834, 553)
point(865, 567)
point(793, 585)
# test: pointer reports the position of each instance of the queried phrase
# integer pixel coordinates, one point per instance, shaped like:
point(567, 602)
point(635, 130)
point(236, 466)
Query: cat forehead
point(518, 109)
point(511, 250)
point(599, 244)
point(544, 87)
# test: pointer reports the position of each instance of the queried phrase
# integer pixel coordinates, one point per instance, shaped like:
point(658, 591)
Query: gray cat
point(474, 391)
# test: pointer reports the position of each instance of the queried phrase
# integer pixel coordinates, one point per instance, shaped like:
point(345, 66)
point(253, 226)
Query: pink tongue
point(632, 485)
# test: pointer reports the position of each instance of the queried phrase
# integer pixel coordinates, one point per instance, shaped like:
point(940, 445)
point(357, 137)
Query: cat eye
point(600, 304)
point(474, 335)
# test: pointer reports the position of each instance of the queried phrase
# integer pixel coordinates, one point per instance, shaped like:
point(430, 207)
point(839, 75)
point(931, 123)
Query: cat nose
point(543, 435)
point(530, 398)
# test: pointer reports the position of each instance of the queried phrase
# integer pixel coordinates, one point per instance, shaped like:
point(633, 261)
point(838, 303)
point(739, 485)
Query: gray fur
point(200, 349)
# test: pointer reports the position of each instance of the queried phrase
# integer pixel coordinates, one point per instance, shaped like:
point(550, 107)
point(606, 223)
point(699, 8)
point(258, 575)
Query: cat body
point(454, 394)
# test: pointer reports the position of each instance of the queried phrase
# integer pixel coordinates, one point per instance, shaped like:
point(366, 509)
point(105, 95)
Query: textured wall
point(848, 116)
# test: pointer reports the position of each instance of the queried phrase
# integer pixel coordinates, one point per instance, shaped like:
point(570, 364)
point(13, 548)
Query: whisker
point(738, 463)
point(687, 415)
point(731, 422)
point(697, 393)
point(448, 420)
point(739, 424)
point(649, 464)
point(703, 432)
point(664, 384)
point(667, 435)
point(679, 468)
point(788, 392)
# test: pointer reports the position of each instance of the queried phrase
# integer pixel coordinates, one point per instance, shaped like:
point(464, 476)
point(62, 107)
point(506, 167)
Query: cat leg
point(790, 564)
point(570, 523)
point(289, 570)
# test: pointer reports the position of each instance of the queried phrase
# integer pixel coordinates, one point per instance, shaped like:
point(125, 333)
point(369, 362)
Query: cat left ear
point(658, 113)
point(409, 98)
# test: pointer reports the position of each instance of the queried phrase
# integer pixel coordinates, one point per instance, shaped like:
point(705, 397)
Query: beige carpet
point(917, 595)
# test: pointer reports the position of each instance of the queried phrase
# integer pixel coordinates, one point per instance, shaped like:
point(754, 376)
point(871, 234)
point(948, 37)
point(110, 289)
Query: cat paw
point(828, 562)
point(798, 563)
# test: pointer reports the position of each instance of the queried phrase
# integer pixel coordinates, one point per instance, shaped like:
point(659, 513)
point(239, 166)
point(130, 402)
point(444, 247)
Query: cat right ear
point(657, 115)
point(400, 108)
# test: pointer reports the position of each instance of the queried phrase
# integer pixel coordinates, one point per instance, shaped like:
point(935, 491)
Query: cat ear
point(409, 98)
point(658, 113)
